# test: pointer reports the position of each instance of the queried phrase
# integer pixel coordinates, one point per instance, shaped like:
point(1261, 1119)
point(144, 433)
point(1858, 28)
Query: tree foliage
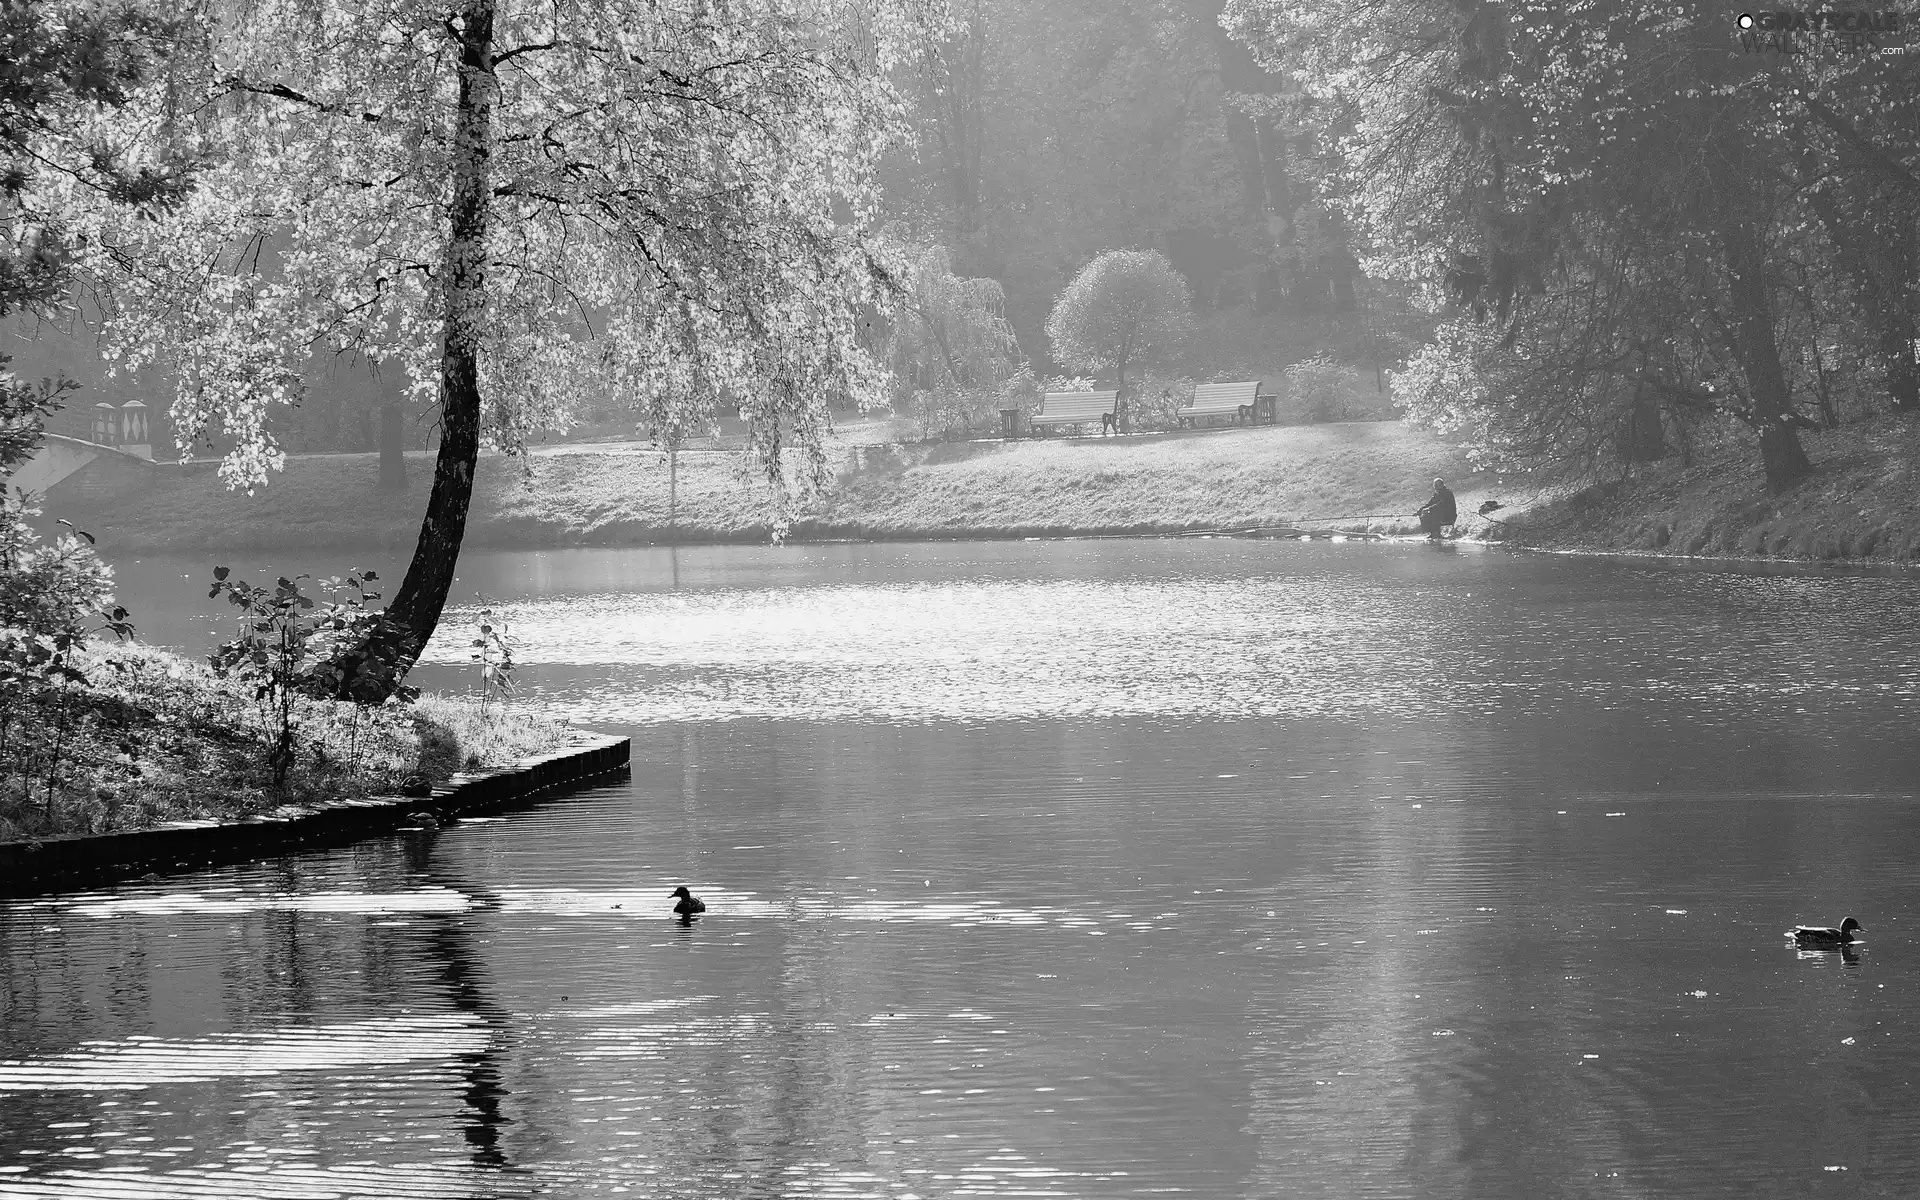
point(516, 205)
point(673, 204)
point(953, 351)
point(61, 67)
point(64, 69)
point(1124, 308)
point(1598, 193)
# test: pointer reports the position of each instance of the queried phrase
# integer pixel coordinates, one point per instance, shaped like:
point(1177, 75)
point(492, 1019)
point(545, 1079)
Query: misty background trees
point(1646, 222)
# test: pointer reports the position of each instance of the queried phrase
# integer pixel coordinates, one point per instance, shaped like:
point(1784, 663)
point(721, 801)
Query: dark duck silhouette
point(687, 905)
point(1825, 936)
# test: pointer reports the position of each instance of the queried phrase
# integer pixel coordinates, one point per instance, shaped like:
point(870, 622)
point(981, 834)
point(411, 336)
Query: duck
point(687, 905)
point(1820, 935)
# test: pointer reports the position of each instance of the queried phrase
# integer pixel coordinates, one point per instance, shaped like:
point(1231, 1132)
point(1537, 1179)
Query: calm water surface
point(1099, 869)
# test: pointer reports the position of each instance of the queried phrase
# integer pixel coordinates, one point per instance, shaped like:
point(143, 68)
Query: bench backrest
point(1075, 406)
point(1224, 396)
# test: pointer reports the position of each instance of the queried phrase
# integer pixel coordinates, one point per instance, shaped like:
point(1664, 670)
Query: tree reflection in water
point(450, 944)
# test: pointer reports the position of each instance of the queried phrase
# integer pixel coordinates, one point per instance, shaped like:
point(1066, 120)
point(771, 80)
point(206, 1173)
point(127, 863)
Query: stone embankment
point(45, 865)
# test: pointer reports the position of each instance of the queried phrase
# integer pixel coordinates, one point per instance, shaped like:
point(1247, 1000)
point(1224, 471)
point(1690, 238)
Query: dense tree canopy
point(1600, 193)
point(1125, 308)
point(516, 205)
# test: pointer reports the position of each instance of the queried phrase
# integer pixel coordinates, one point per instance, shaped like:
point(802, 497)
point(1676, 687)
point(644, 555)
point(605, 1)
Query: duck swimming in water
point(687, 905)
point(1821, 935)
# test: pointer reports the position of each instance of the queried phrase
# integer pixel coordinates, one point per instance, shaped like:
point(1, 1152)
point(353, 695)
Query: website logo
point(1821, 31)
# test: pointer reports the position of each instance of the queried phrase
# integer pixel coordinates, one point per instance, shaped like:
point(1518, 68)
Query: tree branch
point(282, 92)
point(1859, 141)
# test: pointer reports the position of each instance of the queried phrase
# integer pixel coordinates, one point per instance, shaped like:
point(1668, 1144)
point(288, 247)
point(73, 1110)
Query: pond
point(1104, 868)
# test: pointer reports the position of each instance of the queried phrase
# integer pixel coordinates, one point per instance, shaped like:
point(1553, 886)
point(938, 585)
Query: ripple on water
point(141, 1061)
point(282, 1181)
point(236, 901)
point(578, 902)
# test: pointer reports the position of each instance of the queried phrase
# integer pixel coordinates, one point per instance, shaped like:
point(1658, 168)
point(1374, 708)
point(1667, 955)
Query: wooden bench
point(1077, 408)
point(1241, 401)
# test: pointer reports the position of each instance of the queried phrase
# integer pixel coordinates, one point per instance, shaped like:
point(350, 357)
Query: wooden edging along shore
point(39, 866)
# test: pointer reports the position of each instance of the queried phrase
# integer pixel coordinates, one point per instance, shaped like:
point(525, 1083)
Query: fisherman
point(1438, 512)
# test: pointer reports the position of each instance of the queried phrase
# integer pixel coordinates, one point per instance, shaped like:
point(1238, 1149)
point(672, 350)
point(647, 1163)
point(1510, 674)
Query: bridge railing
point(103, 424)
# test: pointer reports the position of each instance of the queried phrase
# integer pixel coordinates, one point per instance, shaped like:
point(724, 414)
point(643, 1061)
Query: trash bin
point(1009, 422)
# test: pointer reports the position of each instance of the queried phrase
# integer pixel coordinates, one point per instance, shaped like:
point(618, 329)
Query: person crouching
point(1438, 512)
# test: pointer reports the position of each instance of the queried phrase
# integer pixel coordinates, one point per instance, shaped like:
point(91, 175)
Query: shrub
point(287, 647)
point(1322, 389)
point(61, 588)
point(1156, 402)
point(48, 588)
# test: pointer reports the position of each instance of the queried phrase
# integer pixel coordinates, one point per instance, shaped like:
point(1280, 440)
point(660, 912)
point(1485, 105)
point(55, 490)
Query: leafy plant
point(288, 647)
point(39, 670)
point(48, 587)
point(23, 411)
point(493, 649)
point(1156, 401)
point(729, 268)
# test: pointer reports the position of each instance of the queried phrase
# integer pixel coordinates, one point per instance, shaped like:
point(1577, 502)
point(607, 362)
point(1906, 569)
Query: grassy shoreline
point(1162, 483)
point(1860, 504)
point(150, 737)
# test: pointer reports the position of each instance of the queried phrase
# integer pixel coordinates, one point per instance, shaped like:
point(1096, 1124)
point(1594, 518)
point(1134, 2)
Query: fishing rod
point(1490, 506)
point(1350, 517)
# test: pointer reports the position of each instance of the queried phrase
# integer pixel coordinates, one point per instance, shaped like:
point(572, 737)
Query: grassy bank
point(1166, 482)
point(1862, 503)
point(151, 737)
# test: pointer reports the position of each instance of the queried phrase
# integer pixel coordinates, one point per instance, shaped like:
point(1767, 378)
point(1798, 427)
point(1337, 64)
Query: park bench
point(1241, 401)
point(1077, 408)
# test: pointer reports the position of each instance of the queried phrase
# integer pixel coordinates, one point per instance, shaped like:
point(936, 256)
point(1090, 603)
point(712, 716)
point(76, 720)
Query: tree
point(520, 204)
point(1615, 170)
point(1123, 308)
point(952, 347)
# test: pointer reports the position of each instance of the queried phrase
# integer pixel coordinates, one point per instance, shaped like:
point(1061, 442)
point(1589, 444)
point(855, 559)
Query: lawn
point(620, 495)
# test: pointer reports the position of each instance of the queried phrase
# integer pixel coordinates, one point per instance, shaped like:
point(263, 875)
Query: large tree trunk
point(423, 593)
point(1770, 405)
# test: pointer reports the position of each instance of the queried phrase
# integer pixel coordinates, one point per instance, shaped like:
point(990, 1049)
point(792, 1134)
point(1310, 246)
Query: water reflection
point(1097, 870)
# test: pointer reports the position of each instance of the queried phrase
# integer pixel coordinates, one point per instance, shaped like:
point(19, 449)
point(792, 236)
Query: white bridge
point(74, 439)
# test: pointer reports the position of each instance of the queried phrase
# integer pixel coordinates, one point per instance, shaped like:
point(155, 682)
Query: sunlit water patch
point(1292, 643)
